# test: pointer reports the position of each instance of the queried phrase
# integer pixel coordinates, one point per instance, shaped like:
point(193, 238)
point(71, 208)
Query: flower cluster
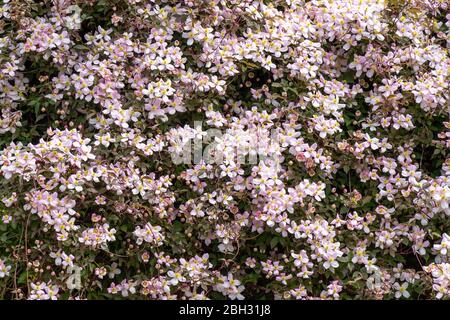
point(43, 291)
